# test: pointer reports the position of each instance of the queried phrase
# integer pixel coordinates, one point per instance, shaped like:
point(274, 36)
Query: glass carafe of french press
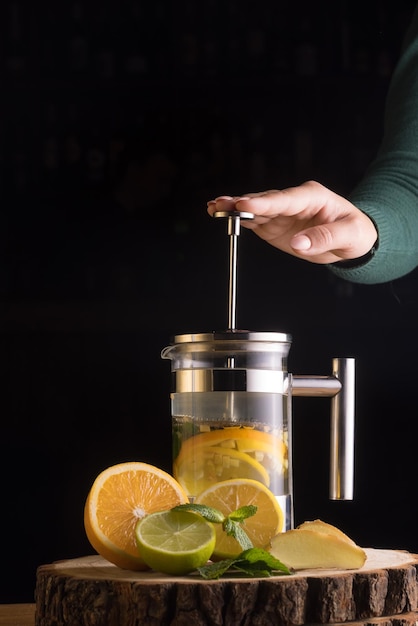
point(231, 406)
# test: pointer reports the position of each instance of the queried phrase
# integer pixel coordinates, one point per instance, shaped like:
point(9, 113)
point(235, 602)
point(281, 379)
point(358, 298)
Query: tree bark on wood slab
point(405, 619)
point(89, 591)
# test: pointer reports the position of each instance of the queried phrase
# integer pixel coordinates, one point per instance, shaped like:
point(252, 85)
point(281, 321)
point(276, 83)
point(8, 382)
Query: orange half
point(120, 496)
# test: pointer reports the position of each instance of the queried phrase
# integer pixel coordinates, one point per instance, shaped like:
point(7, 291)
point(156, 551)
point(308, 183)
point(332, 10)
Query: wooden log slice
point(89, 591)
point(17, 614)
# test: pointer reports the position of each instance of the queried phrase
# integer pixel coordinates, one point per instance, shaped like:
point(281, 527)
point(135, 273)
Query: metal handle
point(341, 387)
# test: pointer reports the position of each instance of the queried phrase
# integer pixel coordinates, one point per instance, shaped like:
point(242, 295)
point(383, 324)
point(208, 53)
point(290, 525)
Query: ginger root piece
point(317, 545)
point(324, 527)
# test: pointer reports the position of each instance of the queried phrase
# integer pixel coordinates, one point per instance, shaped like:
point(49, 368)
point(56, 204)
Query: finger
point(240, 203)
point(308, 198)
point(347, 238)
point(223, 203)
point(314, 241)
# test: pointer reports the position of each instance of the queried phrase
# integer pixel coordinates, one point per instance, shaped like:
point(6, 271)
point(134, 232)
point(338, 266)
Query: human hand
point(309, 221)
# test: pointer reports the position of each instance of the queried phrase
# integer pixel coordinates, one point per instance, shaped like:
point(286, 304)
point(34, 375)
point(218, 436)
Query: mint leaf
point(243, 512)
point(213, 571)
point(257, 556)
point(254, 562)
point(252, 572)
point(233, 529)
point(208, 512)
point(230, 523)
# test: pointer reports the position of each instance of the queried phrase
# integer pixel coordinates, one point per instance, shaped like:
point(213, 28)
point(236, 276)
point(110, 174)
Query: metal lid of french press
point(225, 361)
point(230, 337)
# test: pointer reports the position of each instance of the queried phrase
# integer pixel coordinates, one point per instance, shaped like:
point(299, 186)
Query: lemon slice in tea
point(227, 453)
point(206, 465)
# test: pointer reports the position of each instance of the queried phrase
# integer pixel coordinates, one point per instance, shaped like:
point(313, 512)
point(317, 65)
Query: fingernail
point(224, 198)
point(301, 242)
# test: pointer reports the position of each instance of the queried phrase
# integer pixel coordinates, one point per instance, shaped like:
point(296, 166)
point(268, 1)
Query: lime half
point(175, 542)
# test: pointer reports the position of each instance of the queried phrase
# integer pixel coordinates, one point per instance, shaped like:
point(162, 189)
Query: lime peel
point(175, 542)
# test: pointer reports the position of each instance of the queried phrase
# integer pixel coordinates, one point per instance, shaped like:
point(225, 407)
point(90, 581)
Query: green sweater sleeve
point(388, 193)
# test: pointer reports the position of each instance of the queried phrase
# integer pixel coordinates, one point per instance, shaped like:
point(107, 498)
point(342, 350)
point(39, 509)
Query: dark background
point(119, 120)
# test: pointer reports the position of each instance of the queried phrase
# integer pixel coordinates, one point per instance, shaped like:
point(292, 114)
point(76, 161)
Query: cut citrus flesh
point(175, 542)
point(120, 496)
point(227, 453)
point(241, 438)
point(230, 495)
point(211, 464)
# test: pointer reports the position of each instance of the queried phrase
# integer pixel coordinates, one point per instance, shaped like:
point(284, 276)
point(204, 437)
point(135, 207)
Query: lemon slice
point(175, 542)
point(244, 439)
point(206, 465)
point(234, 452)
point(230, 495)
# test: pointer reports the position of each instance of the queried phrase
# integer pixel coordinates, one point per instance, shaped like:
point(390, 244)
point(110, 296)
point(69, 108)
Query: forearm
point(397, 252)
point(389, 191)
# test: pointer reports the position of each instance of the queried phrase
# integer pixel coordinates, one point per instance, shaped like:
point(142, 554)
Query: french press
point(231, 404)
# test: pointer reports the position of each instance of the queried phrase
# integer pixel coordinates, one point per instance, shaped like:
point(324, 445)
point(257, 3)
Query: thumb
point(319, 239)
point(301, 243)
point(348, 238)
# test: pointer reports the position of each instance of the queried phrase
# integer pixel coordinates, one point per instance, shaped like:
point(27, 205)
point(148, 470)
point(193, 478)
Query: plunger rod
point(234, 225)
